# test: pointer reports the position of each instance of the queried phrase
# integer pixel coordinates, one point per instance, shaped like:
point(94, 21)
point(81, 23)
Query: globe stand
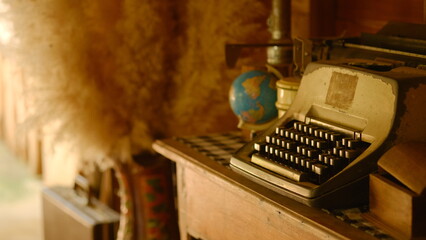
point(249, 131)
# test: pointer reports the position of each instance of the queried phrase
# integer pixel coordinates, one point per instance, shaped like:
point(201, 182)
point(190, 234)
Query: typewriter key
point(259, 147)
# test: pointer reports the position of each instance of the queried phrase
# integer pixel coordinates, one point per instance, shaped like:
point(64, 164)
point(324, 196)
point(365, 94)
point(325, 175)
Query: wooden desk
point(216, 203)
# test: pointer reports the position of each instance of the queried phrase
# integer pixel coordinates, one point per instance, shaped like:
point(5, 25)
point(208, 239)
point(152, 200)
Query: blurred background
point(192, 60)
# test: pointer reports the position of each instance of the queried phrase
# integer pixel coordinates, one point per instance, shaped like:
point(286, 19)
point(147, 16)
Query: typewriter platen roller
point(344, 117)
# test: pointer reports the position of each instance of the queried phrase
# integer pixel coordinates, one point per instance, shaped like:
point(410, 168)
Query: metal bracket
point(302, 55)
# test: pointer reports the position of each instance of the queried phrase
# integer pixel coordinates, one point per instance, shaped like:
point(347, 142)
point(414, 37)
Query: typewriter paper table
point(215, 203)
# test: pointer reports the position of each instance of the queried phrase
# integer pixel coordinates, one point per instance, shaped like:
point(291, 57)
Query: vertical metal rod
point(280, 27)
point(280, 19)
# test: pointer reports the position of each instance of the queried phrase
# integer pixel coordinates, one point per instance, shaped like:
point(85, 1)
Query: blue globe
point(252, 97)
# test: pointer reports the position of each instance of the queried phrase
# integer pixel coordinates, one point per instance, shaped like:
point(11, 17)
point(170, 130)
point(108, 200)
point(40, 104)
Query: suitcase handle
point(83, 184)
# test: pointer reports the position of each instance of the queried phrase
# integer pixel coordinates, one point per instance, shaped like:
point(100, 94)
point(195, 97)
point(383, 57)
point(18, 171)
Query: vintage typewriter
point(346, 114)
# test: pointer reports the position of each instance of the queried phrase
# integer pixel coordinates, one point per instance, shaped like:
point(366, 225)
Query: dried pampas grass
point(118, 74)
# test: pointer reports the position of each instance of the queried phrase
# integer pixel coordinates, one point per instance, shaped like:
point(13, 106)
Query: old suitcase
point(74, 214)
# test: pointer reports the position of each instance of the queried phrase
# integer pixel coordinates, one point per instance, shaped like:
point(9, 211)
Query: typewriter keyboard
point(308, 152)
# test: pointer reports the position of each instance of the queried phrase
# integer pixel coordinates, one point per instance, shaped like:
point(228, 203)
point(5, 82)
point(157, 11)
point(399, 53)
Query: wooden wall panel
point(323, 15)
point(313, 18)
point(300, 10)
point(355, 17)
point(333, 18)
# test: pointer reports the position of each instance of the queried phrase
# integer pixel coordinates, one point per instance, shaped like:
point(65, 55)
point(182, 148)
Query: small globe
point(252, 97)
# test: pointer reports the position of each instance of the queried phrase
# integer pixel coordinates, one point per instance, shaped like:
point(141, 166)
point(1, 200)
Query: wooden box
point(397, 192)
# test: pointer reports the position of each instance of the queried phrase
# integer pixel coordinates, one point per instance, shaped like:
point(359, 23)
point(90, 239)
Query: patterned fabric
point(220, 147)
point(155, 214)
point(353, 217)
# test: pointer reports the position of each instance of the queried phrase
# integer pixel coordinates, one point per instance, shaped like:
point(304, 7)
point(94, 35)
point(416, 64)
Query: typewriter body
point(346, 114)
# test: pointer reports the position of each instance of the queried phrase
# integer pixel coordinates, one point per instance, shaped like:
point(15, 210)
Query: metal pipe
point(279, 23)
point(280, 20)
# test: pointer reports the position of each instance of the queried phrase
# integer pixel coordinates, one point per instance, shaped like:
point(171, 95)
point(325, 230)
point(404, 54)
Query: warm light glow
point(6, 26)
point(6, 31)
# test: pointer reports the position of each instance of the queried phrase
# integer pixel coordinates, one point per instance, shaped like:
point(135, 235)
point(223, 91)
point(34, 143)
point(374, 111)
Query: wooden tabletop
point(313, 218)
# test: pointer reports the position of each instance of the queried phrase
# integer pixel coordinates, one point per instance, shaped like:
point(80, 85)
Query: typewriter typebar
point(344, 117)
